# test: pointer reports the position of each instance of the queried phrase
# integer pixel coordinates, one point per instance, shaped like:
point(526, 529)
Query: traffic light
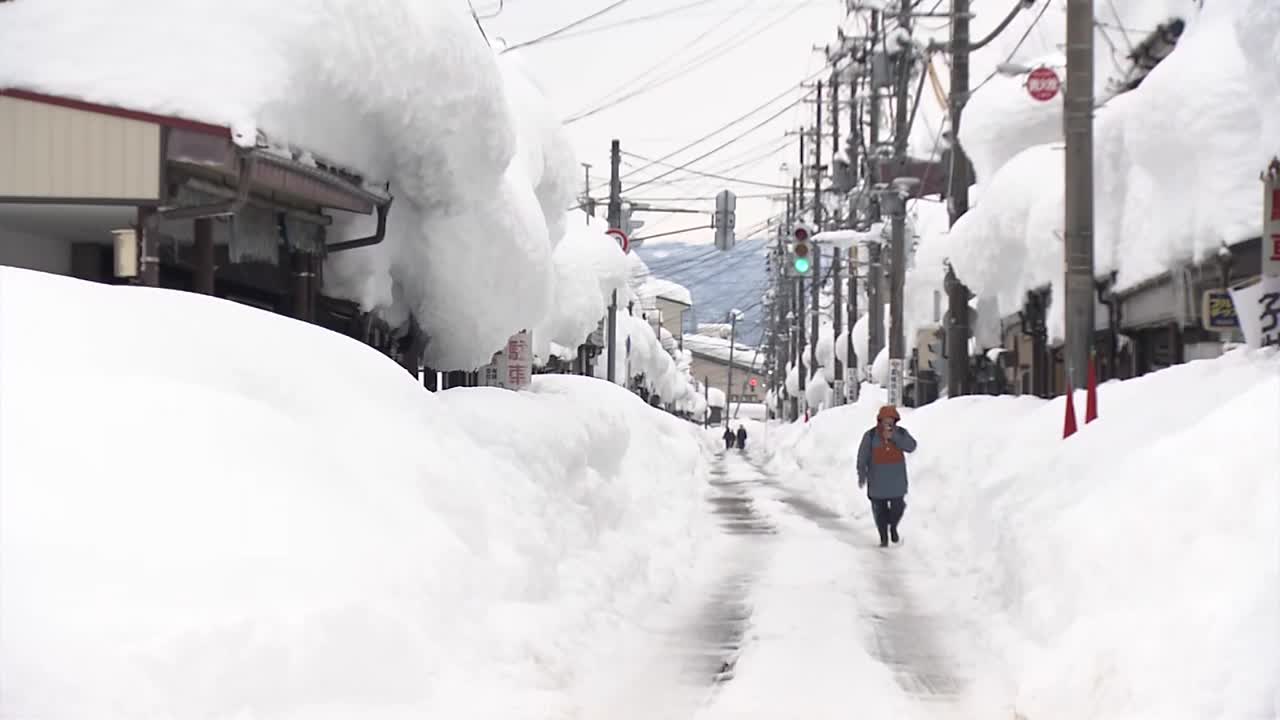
point(753, 383)
point(801, 250)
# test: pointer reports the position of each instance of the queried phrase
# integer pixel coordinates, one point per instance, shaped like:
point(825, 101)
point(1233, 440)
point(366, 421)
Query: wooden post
point(148, 250)
point(205, 259)
point(302, 285)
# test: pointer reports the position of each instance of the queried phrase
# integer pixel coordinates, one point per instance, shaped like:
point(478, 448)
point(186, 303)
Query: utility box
point(126, 253)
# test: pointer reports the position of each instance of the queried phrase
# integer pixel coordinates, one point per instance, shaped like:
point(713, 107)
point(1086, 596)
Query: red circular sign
point(623, 241)
point(1043, 84)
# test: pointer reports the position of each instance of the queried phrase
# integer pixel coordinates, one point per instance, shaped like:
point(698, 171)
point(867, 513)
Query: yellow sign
point(1218, 312)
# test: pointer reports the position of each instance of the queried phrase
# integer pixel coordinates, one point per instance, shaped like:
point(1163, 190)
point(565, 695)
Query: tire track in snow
point(723, 620)
point(902, 636)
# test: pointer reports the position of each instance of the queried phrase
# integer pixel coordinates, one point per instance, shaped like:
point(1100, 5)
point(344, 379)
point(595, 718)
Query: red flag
point(1069, 424)
point(1091, 398)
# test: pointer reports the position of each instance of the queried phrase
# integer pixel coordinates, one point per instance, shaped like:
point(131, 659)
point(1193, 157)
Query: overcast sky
point(708, 62)
point(702, 63)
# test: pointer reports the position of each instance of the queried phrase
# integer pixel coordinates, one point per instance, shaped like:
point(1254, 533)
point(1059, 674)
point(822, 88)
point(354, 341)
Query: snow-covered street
point(640, 360)
point(838, 624)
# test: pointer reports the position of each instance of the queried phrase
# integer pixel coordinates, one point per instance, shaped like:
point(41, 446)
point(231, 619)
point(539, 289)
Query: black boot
point(893, 534)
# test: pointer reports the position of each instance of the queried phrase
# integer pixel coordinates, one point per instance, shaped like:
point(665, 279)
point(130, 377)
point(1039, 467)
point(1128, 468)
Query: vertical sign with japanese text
point(1258, 309)
point(895, 381)
point(519, 356)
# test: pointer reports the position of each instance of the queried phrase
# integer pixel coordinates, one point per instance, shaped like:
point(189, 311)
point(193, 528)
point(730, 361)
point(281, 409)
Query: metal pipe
point(373, 239)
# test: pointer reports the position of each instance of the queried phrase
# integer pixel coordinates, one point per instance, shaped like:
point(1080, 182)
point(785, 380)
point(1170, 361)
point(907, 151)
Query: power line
point(565, 28)
point(731, 123)
point(609, 99)
point(714, 176)
point(640, 19)
point(1026, 34)
point(723, 145)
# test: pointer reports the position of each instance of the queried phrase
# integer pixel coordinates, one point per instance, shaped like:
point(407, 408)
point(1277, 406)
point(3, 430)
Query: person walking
point(728, 438)
point(882, 470)
point(742, 438)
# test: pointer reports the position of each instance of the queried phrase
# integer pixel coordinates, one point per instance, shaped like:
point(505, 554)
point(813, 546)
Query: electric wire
point(1026, 34)
point(721, 146)
point(714, 53)
point(637, 20)
point(565, 28)
point(611, 98)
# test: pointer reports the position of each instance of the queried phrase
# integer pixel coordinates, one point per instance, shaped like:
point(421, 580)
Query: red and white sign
point(1043, 84)
point(624, 242)
point(519, 361)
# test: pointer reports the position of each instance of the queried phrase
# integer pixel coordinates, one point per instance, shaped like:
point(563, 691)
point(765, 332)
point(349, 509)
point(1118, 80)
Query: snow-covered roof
point(715, 397)
point(478, 163)
point(659, 288)
point(718, 349)
point(1176, 173)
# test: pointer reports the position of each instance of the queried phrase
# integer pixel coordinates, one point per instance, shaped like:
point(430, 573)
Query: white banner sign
point(1258, 308)
point(895, 382)
point(519, 361)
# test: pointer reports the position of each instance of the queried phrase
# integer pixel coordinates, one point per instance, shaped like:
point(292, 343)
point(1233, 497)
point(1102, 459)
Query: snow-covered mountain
point(719, 281)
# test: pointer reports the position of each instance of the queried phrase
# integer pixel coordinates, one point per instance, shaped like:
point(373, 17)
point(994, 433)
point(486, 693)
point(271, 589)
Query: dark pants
point(887, 513)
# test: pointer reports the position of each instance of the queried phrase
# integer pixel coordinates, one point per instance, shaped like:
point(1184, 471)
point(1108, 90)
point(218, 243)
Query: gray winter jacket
point(884, 480)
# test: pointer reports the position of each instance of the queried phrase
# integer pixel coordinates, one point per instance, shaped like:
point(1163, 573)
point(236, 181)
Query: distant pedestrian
point(742, 438)
point(728, 438)
point(882, 469)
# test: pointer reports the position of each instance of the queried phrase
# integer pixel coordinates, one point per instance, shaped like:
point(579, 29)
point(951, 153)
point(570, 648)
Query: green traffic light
point(802, 265)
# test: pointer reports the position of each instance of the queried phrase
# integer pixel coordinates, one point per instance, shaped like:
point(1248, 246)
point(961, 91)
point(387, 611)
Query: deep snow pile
point(211, 511)
point(1177, 158)
point(406, 92)
point(589, 267)
point(1129, 571)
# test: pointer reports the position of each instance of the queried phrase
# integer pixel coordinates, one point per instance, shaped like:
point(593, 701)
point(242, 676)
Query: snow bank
point(1177, 162)
point(1126, 572)
point(247, 516)
point(406, 92)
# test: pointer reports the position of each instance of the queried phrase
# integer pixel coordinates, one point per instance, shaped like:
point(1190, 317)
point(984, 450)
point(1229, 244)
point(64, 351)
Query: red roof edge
point(165, 120)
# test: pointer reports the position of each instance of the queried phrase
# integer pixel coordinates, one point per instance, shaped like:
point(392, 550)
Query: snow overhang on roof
point(210, 151)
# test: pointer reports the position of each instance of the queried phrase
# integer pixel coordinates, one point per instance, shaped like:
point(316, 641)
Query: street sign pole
point(1271, 221)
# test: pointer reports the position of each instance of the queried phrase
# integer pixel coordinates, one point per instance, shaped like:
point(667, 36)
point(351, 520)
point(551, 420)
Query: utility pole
point(615, 221)
point(957, 328)
point(854, 377)
point(801, 371)
point(898, 246)
point(855, 166)
point(588, 205)
point(875, 274)
point(837, 290)
point(733, 342)
point(804, 160)
point(874, 114)
point(782, 345)
point(1077, 120)
point(815, 286)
